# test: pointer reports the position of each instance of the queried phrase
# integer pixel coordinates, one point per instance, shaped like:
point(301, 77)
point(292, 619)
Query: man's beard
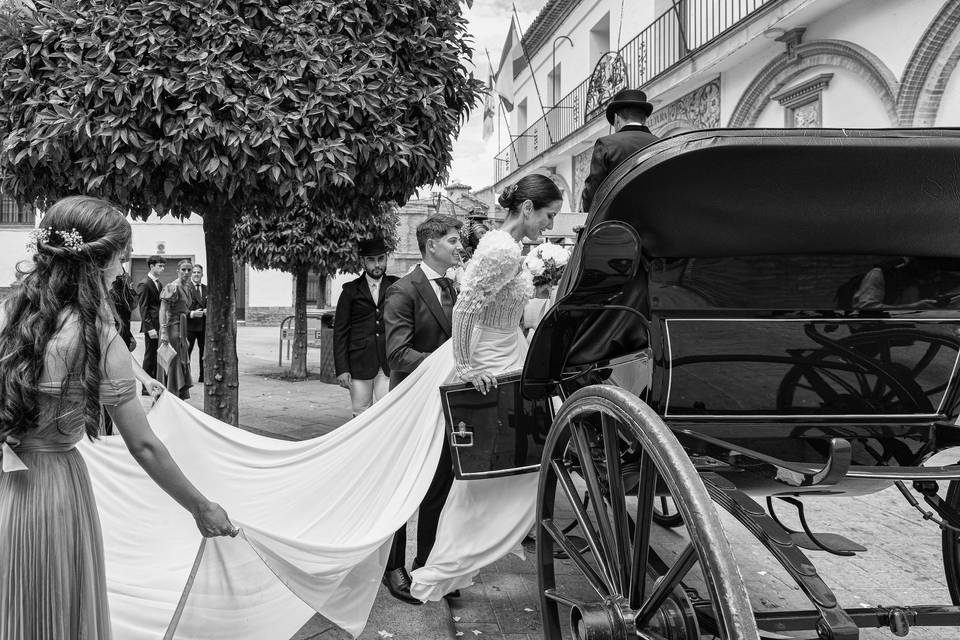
point(376, 274)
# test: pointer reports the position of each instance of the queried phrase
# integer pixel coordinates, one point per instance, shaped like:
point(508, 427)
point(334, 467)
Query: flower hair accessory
point(71, 239)
point(509, 191)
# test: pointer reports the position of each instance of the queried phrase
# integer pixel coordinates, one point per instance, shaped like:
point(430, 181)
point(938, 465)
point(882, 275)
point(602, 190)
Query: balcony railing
point(670, 39)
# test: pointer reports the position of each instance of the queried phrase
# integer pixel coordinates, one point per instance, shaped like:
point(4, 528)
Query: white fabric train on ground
point(317, 519)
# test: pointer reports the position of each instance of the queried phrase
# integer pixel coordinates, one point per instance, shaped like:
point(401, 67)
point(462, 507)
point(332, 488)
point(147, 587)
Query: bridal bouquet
point(546, 262)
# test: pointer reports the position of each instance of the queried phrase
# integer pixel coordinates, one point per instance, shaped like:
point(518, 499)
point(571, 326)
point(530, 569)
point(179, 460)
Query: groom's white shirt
point(432, 277)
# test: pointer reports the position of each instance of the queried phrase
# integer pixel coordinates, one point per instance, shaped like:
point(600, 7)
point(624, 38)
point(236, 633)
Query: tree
point(230, 107)
point(306, 240)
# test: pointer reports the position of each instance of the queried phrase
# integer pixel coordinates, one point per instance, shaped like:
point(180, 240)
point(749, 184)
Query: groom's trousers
point(429, 517)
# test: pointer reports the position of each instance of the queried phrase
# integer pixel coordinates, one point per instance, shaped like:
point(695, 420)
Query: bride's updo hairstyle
point(537, 188)
point(77, 239)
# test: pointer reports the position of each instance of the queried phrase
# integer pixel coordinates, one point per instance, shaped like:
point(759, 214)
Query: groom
point(418, 313)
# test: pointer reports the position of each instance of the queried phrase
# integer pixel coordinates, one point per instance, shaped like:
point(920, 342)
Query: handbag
point(165, 355)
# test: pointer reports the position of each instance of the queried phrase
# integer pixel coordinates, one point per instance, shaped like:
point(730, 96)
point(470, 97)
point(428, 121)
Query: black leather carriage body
point(497, 434)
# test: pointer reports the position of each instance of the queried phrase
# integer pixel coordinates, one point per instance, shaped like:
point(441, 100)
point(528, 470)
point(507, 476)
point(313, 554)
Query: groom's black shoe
point(397, 582)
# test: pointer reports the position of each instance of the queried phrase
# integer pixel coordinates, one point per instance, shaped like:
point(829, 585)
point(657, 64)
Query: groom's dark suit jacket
point(416, 326)
point(415, 322)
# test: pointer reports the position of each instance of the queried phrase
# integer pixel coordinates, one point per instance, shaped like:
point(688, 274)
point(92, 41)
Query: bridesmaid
point(175, 302)
point(61, 363)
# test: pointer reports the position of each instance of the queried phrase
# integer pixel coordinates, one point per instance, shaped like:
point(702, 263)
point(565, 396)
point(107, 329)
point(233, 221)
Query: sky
point(489, 21)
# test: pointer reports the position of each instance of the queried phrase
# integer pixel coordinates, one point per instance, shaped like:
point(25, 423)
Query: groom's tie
point(447, 296)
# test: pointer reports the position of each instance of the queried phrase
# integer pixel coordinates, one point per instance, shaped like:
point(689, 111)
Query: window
point(599, 40)
point(13, 212)
point(316, 285)
point(553, 85)
point(522, 116)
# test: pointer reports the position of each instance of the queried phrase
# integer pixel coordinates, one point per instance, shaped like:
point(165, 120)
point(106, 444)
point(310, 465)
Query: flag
point(512, 51)
point(489, 110)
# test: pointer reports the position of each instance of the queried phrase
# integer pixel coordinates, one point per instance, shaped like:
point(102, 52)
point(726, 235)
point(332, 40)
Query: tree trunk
point(298, 364)
point(220, 395)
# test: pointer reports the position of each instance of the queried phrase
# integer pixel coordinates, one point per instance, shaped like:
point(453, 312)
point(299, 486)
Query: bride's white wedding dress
point(317, 516)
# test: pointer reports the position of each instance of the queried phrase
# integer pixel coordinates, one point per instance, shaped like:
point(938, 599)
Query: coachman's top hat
point(628, 98)
point(372, 247)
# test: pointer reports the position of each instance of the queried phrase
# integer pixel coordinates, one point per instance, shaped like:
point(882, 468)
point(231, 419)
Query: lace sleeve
point(494, 264)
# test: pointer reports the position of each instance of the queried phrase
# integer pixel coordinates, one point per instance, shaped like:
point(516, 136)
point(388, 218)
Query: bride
point(485, 519)
point(317, 517)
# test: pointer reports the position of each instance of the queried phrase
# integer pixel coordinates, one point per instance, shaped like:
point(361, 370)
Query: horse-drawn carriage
point(749, 318)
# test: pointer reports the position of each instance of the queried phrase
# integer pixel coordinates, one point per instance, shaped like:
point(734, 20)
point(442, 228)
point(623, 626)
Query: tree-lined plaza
point(293, 129)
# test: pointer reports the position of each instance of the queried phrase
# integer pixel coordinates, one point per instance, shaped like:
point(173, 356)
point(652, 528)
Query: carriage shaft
point(865, 618)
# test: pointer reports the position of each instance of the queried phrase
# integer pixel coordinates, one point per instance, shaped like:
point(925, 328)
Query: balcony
point(672, 38)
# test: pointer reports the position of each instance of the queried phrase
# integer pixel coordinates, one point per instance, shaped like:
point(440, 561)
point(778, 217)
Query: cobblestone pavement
point(902, 565)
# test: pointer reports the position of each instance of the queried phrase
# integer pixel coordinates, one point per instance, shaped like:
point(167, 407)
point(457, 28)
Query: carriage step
point(833, 541)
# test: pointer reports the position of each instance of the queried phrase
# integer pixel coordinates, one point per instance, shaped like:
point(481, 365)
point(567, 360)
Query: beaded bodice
point(493, 292)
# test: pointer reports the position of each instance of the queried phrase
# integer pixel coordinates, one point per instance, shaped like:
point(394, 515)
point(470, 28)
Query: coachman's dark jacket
point(610, 151)
point(359, 337)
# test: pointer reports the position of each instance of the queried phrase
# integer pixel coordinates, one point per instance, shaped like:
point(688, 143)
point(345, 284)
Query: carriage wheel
point(665, 512)
point(820, 375)
point(951, 546)
point(623, 585)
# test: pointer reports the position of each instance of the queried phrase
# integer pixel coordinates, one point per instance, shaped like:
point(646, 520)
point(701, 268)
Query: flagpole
point(533, 74)
point(503, 112)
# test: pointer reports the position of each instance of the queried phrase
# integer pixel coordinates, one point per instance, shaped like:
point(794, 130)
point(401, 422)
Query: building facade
point(723, 63)
point(264, 297)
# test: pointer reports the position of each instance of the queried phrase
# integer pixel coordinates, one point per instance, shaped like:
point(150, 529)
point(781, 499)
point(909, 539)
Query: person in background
point(627, 112)
point(123, 297)
point(62, 363)
point(148, 299)
point(197, 318)
point(359, 338)
point(175, 302)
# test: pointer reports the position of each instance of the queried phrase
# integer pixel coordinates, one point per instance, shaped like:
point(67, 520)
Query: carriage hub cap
point(614, 620)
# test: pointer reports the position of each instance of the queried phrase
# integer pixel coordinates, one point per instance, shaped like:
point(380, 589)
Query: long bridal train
point(317, 519)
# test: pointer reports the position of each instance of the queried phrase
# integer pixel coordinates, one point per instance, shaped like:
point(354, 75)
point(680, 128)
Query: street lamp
point(553, 65)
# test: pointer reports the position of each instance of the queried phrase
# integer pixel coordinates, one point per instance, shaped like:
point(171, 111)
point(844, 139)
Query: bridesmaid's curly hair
point(77, 238)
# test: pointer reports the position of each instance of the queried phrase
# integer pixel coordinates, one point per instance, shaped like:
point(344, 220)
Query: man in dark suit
point(197, 318)
point(418, 312)
point(359, 337)
point(148, 299)
point(627, 112)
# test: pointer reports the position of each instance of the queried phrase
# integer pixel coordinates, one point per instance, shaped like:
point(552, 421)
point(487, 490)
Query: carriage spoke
point(579, 437)
point(666, 584)
point(588, 572)
point(646, 495)
point(580, 513)
point(926, 359)
point(560, 598)
point(618, 502)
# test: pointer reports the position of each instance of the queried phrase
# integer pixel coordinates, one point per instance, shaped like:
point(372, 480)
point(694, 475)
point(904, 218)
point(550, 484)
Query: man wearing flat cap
point(359, 341)
point(627, 112)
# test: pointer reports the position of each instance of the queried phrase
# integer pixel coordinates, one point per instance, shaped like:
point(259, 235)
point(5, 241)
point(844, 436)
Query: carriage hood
point(745, 192)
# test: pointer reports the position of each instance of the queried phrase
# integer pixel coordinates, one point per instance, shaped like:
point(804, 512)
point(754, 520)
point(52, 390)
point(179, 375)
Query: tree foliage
point(322, 241)
point(230, 107)
point(187, 106)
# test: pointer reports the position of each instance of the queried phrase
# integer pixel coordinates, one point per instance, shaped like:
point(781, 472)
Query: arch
point(818, 53)
point(675, 127)
point(928, 70)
